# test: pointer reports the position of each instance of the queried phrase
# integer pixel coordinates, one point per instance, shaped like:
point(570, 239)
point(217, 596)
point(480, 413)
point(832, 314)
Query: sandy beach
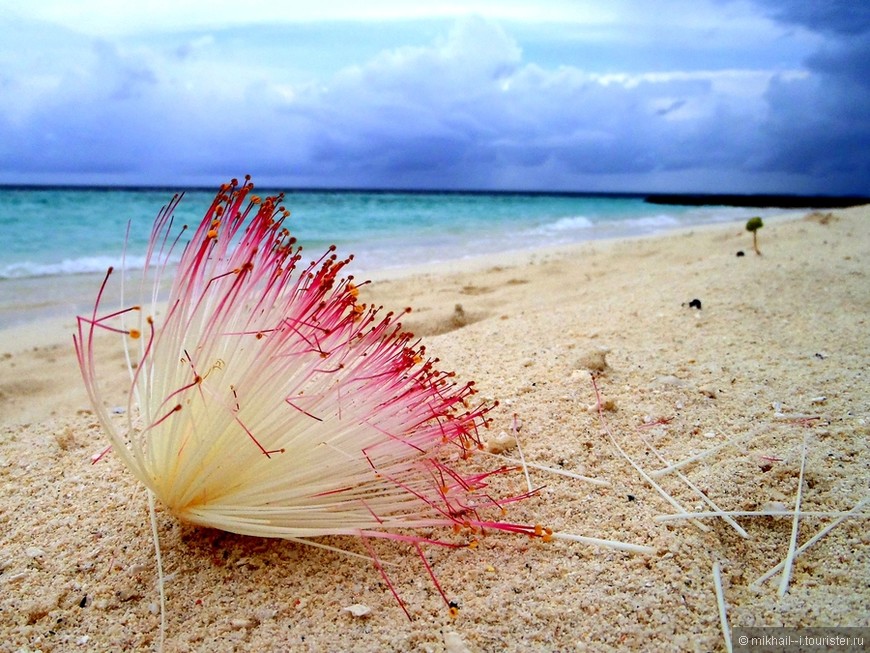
point(770, 369)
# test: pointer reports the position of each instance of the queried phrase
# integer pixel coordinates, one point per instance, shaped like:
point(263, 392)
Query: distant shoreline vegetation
point(672, 199)
point(760, 201)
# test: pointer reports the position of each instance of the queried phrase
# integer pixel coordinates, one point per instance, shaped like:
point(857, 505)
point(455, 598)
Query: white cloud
point(470, 107)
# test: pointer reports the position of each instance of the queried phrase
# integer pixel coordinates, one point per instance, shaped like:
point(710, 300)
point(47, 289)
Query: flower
point(266, 399)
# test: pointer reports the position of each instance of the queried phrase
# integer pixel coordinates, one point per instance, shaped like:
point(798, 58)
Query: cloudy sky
point(581, 95)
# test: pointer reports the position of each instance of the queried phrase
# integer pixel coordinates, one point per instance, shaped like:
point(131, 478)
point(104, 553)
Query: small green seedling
point(753, 225)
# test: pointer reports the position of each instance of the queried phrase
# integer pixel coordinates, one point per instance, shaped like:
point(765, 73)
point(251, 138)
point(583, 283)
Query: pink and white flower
point(265, 399)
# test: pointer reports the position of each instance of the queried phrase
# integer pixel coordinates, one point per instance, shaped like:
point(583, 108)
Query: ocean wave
point(573, 223)
point(83, 265)
point(580, 226)
point(653, 222)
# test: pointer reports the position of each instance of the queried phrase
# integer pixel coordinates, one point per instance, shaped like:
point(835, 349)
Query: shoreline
point(774, 363)
point(47, 300)
point(524, 256)
point(46, 282)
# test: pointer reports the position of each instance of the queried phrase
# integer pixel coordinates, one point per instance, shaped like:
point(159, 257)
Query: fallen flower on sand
point(265, 399)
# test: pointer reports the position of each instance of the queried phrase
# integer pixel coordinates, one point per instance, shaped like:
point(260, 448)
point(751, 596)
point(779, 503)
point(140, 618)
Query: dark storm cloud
point(851, 17)
point(818, 125)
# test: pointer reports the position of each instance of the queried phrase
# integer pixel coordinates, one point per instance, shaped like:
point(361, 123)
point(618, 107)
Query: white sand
point(778, 352)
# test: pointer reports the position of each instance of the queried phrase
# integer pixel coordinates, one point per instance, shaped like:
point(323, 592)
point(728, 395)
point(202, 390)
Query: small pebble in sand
point(670, 380)
point(607, 405)
point(34, 552)
point(594, 360)
point(501, 443)
point(695, 303)
point(243, 624)
point(358, 609)
point(453, 643)
point(66, 439)
point(708, 391)
point(127, 594)
point(776, 506)
point(459, 318)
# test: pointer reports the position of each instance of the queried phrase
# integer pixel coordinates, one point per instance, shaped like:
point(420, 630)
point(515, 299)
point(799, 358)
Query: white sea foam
point(577, 228)
point(82, 265)
point(573, 223)
point(653, 222)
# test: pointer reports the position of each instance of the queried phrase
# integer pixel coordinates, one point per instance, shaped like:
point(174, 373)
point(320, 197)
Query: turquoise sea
point(54, 239)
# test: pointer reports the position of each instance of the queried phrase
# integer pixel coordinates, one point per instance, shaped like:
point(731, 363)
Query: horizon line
point(758, 200)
